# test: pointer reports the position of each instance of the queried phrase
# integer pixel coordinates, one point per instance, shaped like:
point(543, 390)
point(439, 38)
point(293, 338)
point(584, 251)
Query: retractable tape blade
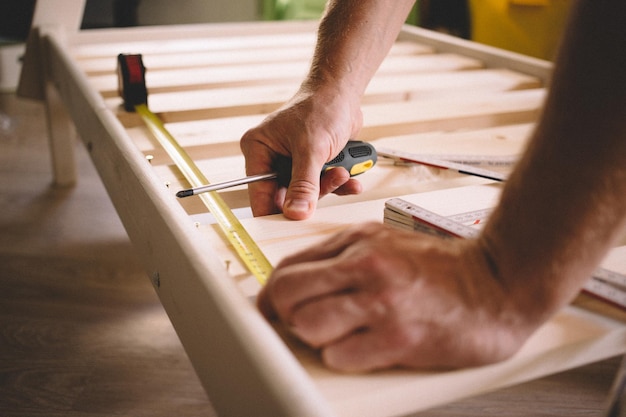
point(132, 88)
point(605, 284)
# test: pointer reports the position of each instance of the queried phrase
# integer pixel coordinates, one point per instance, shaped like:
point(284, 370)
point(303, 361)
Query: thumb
point(303, 192)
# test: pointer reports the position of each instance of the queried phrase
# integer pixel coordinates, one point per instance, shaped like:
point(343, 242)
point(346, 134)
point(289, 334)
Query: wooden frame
point(247, 367)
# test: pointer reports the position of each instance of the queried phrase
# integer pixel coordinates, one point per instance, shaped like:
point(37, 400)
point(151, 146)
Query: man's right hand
point(312, 128)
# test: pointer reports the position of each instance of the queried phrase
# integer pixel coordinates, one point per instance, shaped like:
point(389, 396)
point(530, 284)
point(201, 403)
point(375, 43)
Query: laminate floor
point(82, 332)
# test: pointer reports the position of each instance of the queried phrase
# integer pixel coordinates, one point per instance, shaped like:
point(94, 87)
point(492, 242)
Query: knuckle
point(302, 187)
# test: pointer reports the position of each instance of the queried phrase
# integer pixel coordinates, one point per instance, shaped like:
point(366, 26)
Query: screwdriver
point(356, 157)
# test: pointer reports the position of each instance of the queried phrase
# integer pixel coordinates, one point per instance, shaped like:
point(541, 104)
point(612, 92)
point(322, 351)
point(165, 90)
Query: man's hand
point(373, 297)
point(311, 129)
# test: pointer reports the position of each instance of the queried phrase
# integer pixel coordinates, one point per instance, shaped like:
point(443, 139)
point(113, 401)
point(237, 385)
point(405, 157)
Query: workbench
point(433, 94)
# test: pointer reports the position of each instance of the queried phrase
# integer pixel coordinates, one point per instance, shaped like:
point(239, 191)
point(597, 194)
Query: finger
point(264, 304)
point(304, 188)
point(428, 347)
point(279, 198)
point(326, 319)
point(303, 268)
point(338, 181)
point(297, 284)
point(301, 198)
point(259, 159)
point(351, 187)
point(365, 350)
point(263, 198)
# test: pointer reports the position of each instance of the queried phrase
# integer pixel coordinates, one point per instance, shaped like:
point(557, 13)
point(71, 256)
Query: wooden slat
point(516, 107)
point(472, 112)
point(381, 120)
point(224, 102)
point(159, 60)
point(492, 57)
point(263, 73)
point(192, 45)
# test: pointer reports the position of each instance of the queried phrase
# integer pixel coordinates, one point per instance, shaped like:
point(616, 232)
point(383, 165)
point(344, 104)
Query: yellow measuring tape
point(244, 245)
point(132, 88)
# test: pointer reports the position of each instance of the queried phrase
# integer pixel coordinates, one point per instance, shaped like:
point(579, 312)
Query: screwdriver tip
point(184, 193)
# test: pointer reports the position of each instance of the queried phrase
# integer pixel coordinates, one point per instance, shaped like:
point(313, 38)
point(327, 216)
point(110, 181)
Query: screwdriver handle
point(356, 157)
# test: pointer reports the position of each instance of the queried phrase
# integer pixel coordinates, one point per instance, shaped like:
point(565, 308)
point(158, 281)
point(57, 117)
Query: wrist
point(336, 108)
point(517, 306)
point(533, 292)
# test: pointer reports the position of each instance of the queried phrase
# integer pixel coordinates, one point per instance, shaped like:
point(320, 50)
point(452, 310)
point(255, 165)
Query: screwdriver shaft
point(226, 184)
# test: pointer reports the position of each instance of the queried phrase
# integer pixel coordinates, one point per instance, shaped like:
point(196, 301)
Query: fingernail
point(298, 205)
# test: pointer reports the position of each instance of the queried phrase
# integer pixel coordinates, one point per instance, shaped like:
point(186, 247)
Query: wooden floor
point(82, 332)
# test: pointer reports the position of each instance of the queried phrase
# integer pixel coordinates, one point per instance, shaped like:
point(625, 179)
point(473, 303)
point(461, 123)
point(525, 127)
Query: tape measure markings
point(235, 233)
point(426, 220)
point(133, 90)
point(471, 218)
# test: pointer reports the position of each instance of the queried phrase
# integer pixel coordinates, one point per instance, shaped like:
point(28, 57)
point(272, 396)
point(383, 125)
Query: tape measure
point(605, 284)
point(132, 88)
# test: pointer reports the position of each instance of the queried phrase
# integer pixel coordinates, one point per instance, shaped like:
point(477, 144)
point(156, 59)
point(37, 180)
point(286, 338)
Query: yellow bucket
point(530, 27)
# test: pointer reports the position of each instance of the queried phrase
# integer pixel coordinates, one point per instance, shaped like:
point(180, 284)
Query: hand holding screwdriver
point(356, 157)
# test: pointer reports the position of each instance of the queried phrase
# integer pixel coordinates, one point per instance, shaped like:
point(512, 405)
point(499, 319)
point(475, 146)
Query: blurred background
point(530, 27)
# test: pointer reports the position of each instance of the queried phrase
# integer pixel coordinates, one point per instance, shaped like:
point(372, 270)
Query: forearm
point(354, 37)
point(565, 205)
point(314, 125)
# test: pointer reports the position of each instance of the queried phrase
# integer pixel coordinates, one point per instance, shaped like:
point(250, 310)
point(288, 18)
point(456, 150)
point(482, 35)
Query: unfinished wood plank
point(202, 59)
point(409, 86)
point(224, 102)
point(220, 137)
point(201, 137)
point(492, 57)
point(62, 136)
point(159, 60)
point(263, 73)
point(389, 119)
point(526, 102)
point(508, 140)
point(135, 44)
point(159, 33)
point(475, 112)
